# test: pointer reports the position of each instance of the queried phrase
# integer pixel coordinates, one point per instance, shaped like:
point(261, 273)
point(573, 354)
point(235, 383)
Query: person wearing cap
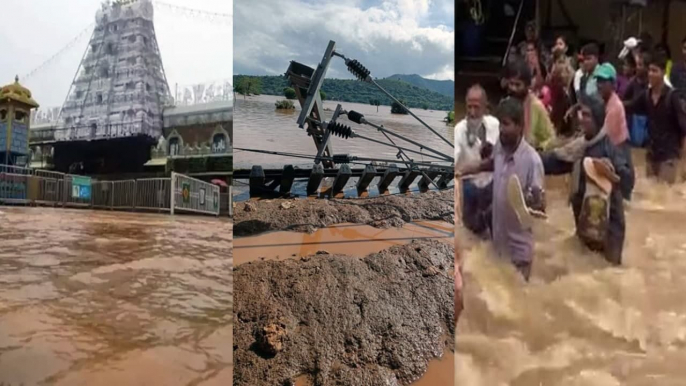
point(597, 168)
point(666, 124)
point(615, 120)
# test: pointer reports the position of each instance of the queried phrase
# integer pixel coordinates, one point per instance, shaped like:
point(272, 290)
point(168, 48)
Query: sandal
point(515, 197)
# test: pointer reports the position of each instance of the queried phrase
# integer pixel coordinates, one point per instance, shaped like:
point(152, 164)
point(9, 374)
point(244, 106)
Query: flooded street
point(581, 321)
point(113, 298)
point(355, 241)
point(258, 125)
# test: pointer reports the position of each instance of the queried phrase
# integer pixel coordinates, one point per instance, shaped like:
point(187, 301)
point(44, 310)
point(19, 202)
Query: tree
point(322, 94)
point(349, 90)
point(425, 106)
point(451, 117)
point(289, 93)
point(396, 108)
point(284, 104)
point(249, 85)
point(375, 102)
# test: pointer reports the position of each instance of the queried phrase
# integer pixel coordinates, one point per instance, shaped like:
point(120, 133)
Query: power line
point(59, 53)
point(213, 16)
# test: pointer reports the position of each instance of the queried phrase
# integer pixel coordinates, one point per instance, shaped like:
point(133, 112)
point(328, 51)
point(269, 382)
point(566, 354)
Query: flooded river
point(258, 125)
point(354, 240)
point(112, 298)
point(580, 321)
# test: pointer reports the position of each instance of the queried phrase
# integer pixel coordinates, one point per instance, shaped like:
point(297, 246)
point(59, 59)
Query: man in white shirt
point(475, 137)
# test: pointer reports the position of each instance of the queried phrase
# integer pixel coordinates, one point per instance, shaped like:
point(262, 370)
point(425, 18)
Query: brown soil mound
point(343, 320)
point(299, 215)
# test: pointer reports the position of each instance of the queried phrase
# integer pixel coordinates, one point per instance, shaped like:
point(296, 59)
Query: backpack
point(594, 217)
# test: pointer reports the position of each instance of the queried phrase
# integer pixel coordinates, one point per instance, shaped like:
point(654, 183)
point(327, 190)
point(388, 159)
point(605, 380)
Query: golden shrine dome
point(17, 93)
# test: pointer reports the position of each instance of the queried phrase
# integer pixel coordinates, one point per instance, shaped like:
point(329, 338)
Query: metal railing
point(102, 194)
point(14, 187)
point(153, 194)
point(49, 192)
point(123, 194)
point(193, 195)
point(24, 186)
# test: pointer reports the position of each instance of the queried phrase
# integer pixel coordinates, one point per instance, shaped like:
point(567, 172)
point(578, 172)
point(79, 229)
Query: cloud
point(194, 49)
point(410, 8)
point(388, 37)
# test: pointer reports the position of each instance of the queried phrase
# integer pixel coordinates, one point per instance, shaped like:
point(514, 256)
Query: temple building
point(119, 118)
point(118, 94)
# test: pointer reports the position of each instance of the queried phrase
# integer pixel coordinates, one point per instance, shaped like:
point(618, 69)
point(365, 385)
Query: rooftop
point(17, 93)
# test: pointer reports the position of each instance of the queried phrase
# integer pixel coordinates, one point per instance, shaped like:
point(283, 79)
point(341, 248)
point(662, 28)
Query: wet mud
point(257, 216)
point(335, 319)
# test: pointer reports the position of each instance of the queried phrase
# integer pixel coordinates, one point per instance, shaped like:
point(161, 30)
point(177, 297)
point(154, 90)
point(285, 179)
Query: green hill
point(347, 90)
point(445, 87)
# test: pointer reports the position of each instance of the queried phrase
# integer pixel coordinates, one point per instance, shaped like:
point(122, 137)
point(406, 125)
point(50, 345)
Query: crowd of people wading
point(568, 114)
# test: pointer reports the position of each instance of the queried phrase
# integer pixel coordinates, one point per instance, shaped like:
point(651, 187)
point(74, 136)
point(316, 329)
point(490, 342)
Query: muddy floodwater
point(258, 125)
point(581, 321)
point(113, 298)
point(366, 343)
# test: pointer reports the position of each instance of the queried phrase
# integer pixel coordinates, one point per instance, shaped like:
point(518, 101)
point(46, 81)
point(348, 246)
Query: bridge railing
point(180, 193)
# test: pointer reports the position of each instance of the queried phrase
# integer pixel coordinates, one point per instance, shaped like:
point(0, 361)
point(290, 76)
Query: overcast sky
point(194, 49)
point(387, 36)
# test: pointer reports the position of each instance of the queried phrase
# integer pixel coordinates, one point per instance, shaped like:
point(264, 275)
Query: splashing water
point(580, 321)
